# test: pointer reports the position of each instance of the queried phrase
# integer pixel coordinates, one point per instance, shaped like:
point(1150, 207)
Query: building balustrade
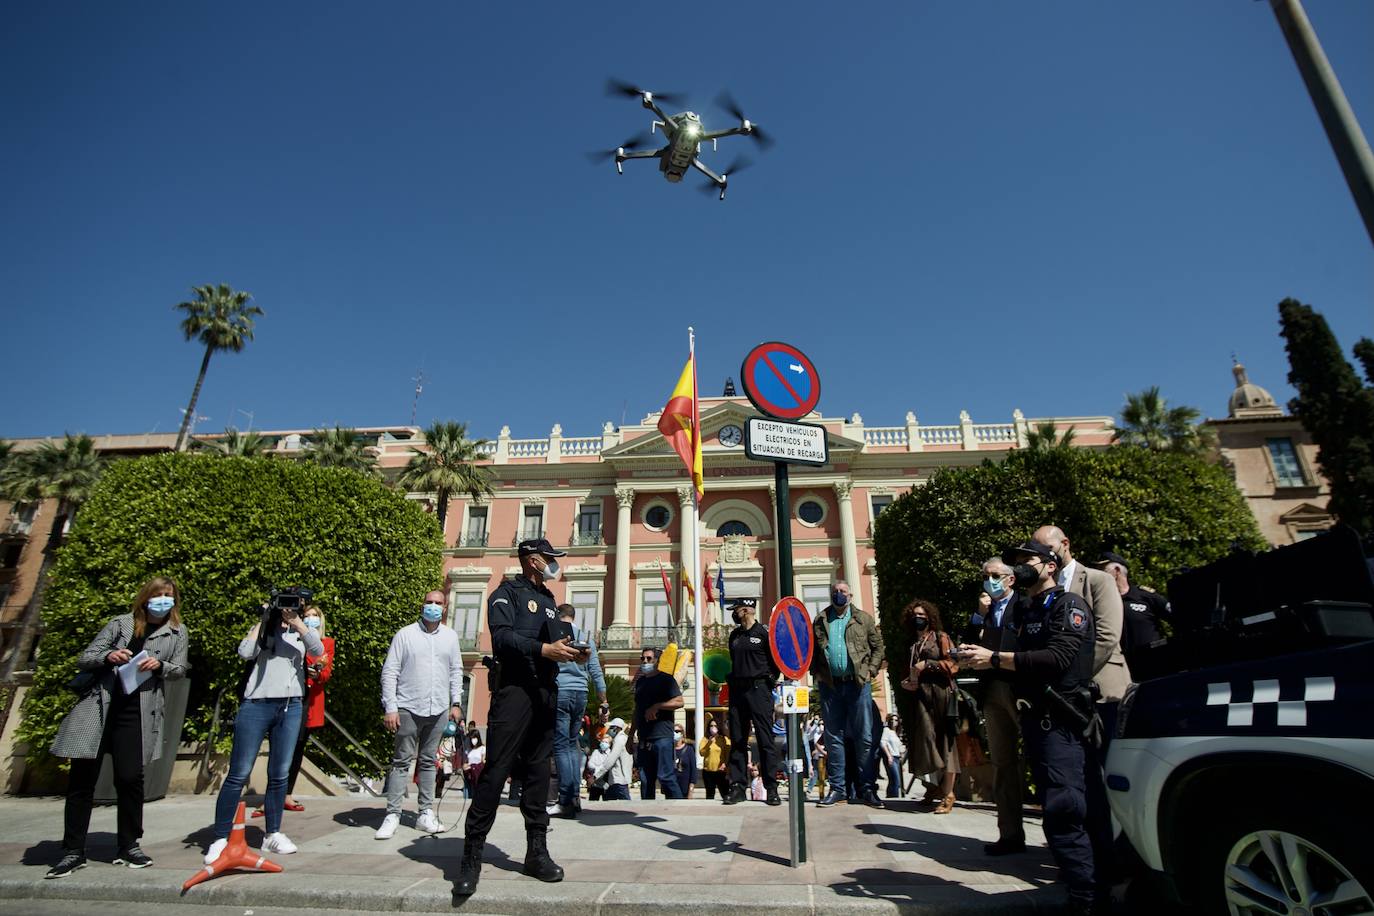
point(582, 447)
point(472, 539)
point(587, 538)
point(656, 637)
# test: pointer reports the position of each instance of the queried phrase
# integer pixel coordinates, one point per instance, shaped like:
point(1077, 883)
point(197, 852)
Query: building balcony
point(17, 527)
point(587, 538)
point(472, 540)
point(633, 639)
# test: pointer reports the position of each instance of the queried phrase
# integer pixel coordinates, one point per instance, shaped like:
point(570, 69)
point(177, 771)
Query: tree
point(1046, 436)
point(223, 320)
point(341, 447)
point(447, 466)
point(227, 530)
point(6, 448)
point(620, 696)
point(66, 472)
point(236, 444)
point(1163, 511)
point(1335, 408)
point(1147, 421)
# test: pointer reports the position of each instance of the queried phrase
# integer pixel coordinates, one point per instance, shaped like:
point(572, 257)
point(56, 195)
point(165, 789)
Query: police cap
point(540, 546)
point(741, 603)
point(1107, 556)
point(1028, 548)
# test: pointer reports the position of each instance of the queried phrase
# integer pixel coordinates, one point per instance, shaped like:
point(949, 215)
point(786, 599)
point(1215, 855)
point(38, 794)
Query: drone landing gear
point(720, 181)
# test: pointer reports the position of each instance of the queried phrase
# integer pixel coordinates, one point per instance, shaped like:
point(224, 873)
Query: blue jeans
point(567, 719)
point(848, 712)
point(659, 764)
point(279, 720)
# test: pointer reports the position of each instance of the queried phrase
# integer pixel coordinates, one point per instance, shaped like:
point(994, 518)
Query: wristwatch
point(997, 659)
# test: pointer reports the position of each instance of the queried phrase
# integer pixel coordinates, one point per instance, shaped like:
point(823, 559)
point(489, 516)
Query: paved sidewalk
point(620, 857)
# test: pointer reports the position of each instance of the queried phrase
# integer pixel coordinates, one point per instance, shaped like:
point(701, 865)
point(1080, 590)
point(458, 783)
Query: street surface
point(621, 857)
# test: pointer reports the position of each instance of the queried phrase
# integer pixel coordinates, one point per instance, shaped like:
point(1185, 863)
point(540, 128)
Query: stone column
point(624, 500)
point(686, 553)
point(850, 549)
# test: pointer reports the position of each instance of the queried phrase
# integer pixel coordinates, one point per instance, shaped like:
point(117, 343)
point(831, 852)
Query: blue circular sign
point(789, 637)
point(780, 380)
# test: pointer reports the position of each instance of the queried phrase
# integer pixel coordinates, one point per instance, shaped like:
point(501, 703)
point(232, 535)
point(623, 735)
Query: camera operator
point(528, 644)
point(276, 647)
point(1052, 663)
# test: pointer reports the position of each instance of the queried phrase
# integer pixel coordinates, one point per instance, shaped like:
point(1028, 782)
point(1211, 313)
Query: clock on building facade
point(731, 435)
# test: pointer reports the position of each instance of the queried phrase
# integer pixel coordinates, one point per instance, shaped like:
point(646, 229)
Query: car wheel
point(1278, 863)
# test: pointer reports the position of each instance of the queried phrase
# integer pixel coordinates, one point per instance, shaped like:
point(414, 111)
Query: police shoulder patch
point(1077, 619)
point(533, 605)
point(549, 612)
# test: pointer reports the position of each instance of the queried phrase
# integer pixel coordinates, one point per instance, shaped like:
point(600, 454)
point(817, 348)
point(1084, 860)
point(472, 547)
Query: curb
point(509, 896)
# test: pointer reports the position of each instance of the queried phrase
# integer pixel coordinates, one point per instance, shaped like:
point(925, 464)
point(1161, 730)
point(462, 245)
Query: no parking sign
point(789, 637)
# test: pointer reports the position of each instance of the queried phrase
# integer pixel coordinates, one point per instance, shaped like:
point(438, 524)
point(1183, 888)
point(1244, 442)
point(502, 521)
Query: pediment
point(1305, 513)
point(655, 444)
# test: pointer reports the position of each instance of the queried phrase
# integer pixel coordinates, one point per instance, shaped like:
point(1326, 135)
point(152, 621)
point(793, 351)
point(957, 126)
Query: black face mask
point(738, 617)
point(919, 624)
point(1025, 575)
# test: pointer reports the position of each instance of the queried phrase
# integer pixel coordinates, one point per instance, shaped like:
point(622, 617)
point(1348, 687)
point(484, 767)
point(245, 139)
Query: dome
point(1250, 399)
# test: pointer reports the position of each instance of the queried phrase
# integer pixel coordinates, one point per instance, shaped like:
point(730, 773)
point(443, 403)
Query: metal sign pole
point(796, 801)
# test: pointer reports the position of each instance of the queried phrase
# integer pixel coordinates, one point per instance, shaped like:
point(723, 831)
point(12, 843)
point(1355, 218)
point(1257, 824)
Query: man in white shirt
point(422, 688)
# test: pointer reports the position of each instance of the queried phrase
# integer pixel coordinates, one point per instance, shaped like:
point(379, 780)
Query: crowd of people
point(1047, 639)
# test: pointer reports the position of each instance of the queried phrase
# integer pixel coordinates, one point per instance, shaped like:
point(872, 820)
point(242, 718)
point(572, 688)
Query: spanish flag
point(680, 424)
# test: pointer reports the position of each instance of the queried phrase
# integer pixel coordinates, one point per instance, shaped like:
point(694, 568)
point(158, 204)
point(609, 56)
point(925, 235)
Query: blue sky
point(971, 206)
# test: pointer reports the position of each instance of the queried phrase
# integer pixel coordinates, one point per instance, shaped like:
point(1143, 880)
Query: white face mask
point(550, 570)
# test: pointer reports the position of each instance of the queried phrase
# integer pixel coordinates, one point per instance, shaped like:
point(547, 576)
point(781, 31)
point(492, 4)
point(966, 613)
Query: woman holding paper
point(120, 714)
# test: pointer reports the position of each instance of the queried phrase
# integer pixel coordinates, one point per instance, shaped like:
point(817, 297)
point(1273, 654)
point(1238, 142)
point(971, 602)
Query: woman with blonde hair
point(931, 739)
point(120, 716)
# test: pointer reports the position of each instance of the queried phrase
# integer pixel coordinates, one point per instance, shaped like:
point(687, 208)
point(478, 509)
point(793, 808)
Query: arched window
point(734, 528)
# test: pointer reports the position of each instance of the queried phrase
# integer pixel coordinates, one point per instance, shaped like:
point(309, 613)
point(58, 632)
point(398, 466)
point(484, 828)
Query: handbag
point(83, 682)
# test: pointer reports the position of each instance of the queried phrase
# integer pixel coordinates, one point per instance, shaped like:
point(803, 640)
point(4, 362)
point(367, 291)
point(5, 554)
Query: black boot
point(736, 795)
point(469, 869)
point(537, 861)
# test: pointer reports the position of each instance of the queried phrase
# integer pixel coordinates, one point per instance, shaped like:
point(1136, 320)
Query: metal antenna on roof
point(419, 381)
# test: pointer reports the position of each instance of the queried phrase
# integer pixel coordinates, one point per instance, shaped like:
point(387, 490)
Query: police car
point(1242, 771)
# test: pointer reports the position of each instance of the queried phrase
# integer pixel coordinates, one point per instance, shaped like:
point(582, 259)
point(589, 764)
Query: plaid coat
point(80, 732)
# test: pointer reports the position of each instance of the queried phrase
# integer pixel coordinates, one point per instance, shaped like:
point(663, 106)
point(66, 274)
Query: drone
point(685, 134)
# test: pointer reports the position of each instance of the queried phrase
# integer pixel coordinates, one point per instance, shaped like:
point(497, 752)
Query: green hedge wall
point(1161, 511)
point(227, 529)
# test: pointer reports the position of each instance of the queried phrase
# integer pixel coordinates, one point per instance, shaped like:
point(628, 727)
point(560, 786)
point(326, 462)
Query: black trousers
point(519, 730)
point(123, 741)
point(299, 755)
point(1070, 784)
point(752, 706)
point(713, 780)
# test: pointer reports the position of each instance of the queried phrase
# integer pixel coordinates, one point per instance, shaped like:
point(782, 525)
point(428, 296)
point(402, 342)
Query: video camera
point(294, 598)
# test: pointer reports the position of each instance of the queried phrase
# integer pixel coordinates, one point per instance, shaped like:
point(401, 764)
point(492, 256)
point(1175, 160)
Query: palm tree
point(447, 466)
point(66, 472)
point(341, 447)
point(1147, 421)
point(223, 320)
point(236, 444)
point(5, 448)
point(1045, 437)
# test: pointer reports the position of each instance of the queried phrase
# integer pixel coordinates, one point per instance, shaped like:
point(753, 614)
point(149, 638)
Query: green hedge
point(227, 529)
point(1161, 511)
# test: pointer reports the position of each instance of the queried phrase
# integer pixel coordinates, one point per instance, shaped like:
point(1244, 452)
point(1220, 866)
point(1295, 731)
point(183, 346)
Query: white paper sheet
point(129, 676)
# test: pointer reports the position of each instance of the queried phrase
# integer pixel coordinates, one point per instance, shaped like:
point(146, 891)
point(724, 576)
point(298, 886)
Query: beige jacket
point(1109, 666)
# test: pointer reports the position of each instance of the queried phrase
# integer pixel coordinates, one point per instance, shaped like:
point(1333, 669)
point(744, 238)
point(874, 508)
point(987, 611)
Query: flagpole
point(699, 720)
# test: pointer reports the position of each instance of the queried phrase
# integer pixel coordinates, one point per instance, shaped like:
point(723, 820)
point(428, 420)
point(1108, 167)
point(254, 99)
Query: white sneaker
point(428, 823)
point(278, 843)
point(215, 849)
point(388, 828)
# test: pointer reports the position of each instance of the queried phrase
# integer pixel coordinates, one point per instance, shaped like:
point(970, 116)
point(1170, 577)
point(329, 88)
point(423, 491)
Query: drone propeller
point(728, 104)
point(598, 156)
point(618, 87)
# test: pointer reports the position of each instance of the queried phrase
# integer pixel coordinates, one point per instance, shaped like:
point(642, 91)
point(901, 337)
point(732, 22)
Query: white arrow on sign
point(795, 368)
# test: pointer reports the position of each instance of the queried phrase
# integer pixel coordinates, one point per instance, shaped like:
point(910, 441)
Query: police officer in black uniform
point(752, 676)
point(1051, 632)
point(527, 644)
point(1141, 610)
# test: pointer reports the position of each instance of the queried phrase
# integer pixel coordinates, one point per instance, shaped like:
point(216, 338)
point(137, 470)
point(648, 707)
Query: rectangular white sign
point(778, 440)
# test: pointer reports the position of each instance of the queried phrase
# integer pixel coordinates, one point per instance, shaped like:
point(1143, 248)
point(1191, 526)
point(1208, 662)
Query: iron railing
point(471, 539)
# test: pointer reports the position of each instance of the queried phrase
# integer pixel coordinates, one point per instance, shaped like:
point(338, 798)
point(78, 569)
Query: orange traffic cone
point(236, 854)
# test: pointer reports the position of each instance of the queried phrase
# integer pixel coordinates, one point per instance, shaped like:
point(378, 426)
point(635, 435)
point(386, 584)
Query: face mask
point(739, 618)
point(450, 729)
point(550, 571)
point(432, 612)
point(1025, 575)
point(160, 606)
point(648, 668)
point(839, 599)
point(919, 624)
point(713, 730)
point(605, 745)
point(475, 742)
point(677, 736)
point(312, 622)
point(994, 588)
